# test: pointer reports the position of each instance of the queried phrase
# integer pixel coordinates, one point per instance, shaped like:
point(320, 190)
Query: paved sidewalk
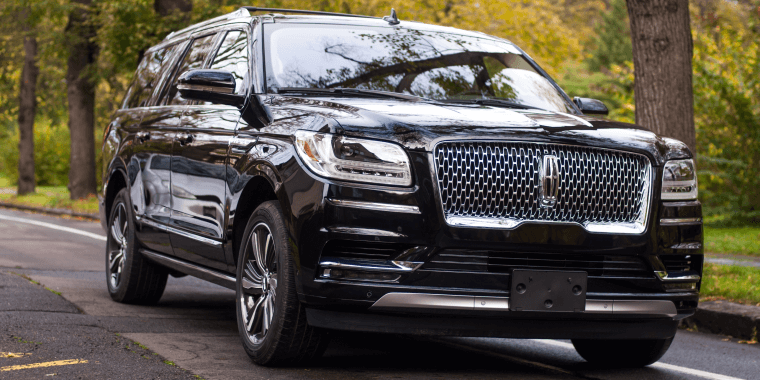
point(727, 259)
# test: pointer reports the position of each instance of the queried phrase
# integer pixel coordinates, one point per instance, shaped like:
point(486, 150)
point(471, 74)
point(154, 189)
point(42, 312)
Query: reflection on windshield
point(432, 65)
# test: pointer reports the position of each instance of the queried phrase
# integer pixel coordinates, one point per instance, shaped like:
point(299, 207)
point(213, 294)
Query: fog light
point(681, 287)
point(352, 275)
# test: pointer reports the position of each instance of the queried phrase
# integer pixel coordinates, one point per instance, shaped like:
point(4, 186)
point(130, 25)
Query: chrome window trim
point(459, 302)
point(636, 228)
point(387, 207)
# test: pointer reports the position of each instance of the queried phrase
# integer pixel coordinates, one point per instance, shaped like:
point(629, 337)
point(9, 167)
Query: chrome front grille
point(499, 184)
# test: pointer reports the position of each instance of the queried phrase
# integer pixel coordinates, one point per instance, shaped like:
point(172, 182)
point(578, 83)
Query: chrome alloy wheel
point(259, 283)
point(117, 245)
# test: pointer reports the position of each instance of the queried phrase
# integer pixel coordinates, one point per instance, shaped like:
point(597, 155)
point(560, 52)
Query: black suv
point(355, 173)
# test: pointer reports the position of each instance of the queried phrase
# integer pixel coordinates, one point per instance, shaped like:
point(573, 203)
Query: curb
point(726, 318)
point(51, 211)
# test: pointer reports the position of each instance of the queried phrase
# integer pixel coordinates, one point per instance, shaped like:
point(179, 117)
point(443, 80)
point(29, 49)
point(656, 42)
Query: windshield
point(434, 65)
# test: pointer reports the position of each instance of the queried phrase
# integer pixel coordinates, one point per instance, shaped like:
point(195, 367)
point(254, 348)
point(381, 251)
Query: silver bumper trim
point(679, 221)
point(374, 206)
point(391, 266)
point(458, 302)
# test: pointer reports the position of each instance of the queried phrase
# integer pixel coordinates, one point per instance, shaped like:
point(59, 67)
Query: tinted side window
point(194, 59)
point(233, 57)
point(167, 65)
point(145, 80)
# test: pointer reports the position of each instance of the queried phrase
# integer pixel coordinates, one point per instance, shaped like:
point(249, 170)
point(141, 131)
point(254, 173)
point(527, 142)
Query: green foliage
point(727, 111)
point(51, 154)
point(741, 240)
point(613, 38)
point(734, 283)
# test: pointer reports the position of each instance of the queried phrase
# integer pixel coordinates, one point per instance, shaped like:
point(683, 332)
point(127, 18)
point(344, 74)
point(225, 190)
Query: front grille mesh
point(500, 180)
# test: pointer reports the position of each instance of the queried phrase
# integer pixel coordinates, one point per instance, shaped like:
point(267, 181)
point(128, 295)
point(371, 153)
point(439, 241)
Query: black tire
point(129, 276)
point(284, 338)
point(622, 353)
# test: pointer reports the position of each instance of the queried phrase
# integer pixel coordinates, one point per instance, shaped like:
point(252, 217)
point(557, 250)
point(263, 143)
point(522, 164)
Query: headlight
point(679, 180)
point(352, 159)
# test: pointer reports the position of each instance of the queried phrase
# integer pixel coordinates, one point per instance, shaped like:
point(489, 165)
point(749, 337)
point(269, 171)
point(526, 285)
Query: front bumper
point(413, 218)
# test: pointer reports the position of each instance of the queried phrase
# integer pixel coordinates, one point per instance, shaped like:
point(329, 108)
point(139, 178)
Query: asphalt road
point(81, 333)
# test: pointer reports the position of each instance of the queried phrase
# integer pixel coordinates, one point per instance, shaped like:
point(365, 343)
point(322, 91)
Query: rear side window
point(193, 60)
point(145, 80)
point(233, 57)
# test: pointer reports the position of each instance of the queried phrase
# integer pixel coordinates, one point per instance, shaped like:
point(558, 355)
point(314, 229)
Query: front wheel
point(271, 321)
point(622, 353)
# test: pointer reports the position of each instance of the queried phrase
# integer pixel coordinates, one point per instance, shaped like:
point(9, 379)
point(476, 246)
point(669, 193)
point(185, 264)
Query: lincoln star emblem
point(549, 184)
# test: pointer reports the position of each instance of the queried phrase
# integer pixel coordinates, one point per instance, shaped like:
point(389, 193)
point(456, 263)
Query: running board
point(194, 270)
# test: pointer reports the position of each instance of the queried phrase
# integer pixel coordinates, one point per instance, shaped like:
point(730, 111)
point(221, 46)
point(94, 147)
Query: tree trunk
point(81, 96)
point(166, 7)
point(26, 111)
point(662, 50)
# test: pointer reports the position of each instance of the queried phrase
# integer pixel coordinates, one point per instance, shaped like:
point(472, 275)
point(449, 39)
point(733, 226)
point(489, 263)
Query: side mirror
point(215, 86)
point(256, 113)
point(591, 106)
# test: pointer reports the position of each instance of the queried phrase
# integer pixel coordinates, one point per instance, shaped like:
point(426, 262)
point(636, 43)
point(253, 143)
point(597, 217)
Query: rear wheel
point(130, 278)
point(622, 353)
point(271, 321)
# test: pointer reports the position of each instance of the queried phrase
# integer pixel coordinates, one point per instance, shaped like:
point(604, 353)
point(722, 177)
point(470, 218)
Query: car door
point(149, 165)
point(199, 155)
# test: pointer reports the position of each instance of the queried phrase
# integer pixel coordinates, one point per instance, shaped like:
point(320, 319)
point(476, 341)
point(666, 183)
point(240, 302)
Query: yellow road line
point(13, 354)
point(42, 365)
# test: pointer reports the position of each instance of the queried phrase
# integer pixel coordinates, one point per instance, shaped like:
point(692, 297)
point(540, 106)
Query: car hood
point(420, 125)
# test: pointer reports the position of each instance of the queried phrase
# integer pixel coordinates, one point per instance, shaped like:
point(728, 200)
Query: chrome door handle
point(242, 145)
point(142, 136)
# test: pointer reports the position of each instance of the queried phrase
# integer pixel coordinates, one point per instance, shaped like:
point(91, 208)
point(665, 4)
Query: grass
point(48, 196)
point(732, 283)
point(741, 240)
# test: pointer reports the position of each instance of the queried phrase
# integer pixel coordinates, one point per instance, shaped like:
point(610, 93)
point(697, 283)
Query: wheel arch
point(257, 190)
point(117, 180)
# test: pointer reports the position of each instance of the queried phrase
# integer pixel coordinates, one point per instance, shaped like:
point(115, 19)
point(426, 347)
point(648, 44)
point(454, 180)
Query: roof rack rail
point(240, 12)
point(257, 9)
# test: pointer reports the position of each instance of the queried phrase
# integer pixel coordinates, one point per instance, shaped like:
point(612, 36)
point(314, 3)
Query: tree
point(81, 95)
point(662, 51)
point(27, 107)
point(613, 40)
point(166, 7)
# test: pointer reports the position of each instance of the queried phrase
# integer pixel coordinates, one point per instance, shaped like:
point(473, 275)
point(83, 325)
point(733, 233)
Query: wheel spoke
point(257, 252)
point(252, 282)
point(269, 253)
point(270, 309)
point(265, 317)
point(254, 317)
point(115, 260)
point(117, 236)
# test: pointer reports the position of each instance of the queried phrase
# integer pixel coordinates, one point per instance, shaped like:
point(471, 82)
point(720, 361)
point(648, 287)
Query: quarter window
point(233, 57)
point(146, 79)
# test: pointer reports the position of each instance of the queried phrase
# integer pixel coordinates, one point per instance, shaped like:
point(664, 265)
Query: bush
point(51, 154)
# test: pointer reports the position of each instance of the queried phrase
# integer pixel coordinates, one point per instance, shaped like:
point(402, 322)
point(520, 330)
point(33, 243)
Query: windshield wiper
point(347, 91)
point(491, 102)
